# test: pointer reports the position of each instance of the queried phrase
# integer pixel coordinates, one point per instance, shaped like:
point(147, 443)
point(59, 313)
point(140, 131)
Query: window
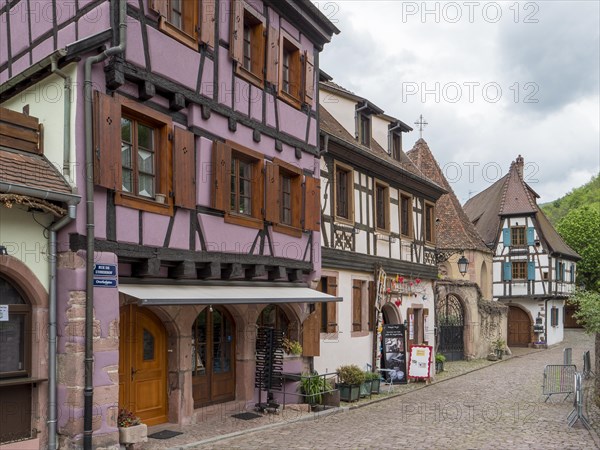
point(290, 84)
point(429, 222)
point(247, 41)
point(137, 157)
point(344, 193)
point(241, 185)
point(364, 129)
point(519, 270)
point(186, 21)
point(405, 215)
point(357, 305)
point(284, 197)
point(396, 149)
point(517, 236)
point(382, 207)
point(275, 317)
point(554, 316)
point(328, 310)
point(285, 182)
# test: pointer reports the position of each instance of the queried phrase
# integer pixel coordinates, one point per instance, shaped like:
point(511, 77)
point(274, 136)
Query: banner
point(394, 353)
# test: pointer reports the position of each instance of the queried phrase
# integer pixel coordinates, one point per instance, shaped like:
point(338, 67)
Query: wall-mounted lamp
point(3, 250)
point(444, 255)
point(463, 265)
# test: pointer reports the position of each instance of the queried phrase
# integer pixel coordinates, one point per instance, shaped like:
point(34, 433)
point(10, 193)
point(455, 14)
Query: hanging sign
point(420, 361)
point(394, 353)
point(3, 313)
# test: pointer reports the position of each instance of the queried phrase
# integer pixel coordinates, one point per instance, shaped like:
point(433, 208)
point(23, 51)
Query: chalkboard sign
point(394, 353)
point(420, 361)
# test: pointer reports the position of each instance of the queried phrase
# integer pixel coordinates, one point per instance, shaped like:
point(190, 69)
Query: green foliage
point(371, 376)
point(499, 344)
point(588, 314)
point(351, 374)
point(440, 358)
point(292, 347)
point(588, 194)
point(580, 228)
point(313, 387)
point(127, 419)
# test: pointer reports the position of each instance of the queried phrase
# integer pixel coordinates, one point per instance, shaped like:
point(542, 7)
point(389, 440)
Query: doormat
point(164, 434)
point(246, 416)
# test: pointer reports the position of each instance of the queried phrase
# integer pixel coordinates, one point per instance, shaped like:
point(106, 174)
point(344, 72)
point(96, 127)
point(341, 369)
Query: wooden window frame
point(409, 213)
point(25, 310)
point(349, 193)
point(294, 95)
point(519, 270)
point(386, 206)
point(364, 139)
point(554, 316)
point(429, 221)
point(396, 145)
point(295, 173)
point(357, 306)
point(518, 236)
point(187, 33)
point(256, 22)
point(163, 157)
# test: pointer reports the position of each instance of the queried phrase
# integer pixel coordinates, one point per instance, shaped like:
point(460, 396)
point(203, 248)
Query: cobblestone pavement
point(493, 406)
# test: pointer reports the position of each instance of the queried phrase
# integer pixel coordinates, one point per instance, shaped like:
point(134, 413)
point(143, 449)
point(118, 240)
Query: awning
point(160, 295)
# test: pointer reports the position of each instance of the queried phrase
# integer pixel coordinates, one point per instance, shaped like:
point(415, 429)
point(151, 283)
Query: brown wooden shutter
point(309, 77)
point(184, 169)
point(372, 298)
point(160, 7)
point(222, 176)
point(236, 40)
point(273, 56)
point(258, 189)
point(312, 204)
point(356, 305)
point(207, 22)
point(272, 206)
point(311, 335)
point(20, 132)
point(107, 142)
point(332, 306)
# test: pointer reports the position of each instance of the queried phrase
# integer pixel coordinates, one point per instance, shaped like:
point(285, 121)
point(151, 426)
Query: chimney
point(520, 162)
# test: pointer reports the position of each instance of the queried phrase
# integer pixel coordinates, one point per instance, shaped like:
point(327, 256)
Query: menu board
point(420, 361)
point(394, 353)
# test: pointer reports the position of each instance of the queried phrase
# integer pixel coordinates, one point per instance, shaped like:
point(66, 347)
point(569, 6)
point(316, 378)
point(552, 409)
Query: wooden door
point(213, 357)
point(570, 321)
point(143, 364)
point(519, 327)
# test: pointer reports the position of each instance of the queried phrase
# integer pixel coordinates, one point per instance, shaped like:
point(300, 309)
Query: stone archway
point(391, 314)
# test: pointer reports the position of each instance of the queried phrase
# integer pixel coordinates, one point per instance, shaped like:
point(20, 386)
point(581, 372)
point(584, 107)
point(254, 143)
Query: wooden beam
point(295, 275)
point(233, 271)
point(211, 270)
point(184, 270)
point(256, 271)
point(277, 273)
point(147, 90)
point(177, 102)
point(147, 268)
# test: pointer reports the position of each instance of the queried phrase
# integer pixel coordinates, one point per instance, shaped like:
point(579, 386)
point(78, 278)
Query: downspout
point(67, 117)
point(52, 405)
point(88, 391)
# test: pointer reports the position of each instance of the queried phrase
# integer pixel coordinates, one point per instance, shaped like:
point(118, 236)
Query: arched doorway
point(450, 324)
point(390, 314)
point(519, 327)
point(275, 317)
point(213, 357)
point(143, 364)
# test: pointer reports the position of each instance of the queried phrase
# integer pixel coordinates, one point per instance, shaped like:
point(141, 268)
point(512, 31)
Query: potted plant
point(313, 387)
point(131, 428)
point(499, 345)
point(440, 359)
point(292, 347)
point(350, 379)
point(365, 387)
point(375, 381)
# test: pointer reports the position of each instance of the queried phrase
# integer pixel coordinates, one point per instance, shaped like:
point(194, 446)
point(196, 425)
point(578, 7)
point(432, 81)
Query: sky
point(492, 79)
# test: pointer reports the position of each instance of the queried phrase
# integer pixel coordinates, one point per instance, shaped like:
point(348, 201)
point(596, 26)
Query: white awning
point(160, 295)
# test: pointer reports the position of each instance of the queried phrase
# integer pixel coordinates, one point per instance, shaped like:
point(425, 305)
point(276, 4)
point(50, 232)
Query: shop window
point(344, 193)
point(406, 215)
point(429, 222)
point(247, 41)
point(328, 310)
point(382, 207)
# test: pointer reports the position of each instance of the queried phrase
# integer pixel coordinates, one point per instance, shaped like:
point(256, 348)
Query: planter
point(365, 389)
point(331, 398)
point(349, 392)
point(134, 434)
point(439, 366)
point(499, 353)
point(375, 386)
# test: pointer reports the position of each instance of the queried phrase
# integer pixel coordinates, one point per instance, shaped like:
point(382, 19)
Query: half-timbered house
point(534, 269)
point(378, 212)
point(191, 130)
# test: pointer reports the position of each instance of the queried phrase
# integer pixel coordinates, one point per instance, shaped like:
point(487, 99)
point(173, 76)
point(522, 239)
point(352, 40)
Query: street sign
point(105, 282)
point(105, 270)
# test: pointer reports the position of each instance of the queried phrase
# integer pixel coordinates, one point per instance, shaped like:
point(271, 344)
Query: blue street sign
point(105, 270)
point(105, 282)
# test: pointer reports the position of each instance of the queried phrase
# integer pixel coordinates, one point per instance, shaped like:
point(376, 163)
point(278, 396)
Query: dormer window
point(396, 145)
point(364, 129)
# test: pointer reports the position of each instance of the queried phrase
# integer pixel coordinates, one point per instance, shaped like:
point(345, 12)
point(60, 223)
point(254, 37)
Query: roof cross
point(422, 124)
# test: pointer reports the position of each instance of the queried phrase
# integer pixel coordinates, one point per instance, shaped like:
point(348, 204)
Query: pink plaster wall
point(180, 235)
point(127, 225)
point(154, 227)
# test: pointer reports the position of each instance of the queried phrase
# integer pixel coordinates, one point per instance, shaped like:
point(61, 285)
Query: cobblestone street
point(496, 407)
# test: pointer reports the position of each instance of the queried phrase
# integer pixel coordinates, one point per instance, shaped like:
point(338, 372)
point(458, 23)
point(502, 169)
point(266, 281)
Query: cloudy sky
point(492, 79)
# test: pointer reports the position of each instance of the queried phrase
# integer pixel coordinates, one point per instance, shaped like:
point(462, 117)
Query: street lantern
point(463, 265)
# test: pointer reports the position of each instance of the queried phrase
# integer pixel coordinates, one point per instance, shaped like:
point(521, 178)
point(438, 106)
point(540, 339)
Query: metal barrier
point(558, 379)
point(577, 413)
point(568, 356)
point(587, 365)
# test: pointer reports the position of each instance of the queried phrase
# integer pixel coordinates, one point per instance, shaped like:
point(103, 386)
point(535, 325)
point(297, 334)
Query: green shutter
point(507, 271)
point(530, 236)
point(506, 237)
point(531, 270)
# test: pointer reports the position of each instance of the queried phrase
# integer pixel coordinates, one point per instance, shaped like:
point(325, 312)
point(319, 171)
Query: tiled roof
point(516, 197)
point(454, 229)
point(31, 170)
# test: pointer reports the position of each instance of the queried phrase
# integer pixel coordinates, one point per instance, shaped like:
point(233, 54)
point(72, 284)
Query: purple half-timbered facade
point(190, 131)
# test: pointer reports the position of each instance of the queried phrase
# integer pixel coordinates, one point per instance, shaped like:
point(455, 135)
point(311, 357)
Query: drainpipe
point(88, 391)
point(67, 117)
point(52, 410)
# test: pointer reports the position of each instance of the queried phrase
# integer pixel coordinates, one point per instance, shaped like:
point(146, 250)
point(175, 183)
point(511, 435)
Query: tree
point(580, 228)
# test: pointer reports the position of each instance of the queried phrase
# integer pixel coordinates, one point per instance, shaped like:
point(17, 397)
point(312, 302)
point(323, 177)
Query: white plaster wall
point(340, 108)
point(46, 102)
point(555, 334)
point(380, 131)
point(24, 239)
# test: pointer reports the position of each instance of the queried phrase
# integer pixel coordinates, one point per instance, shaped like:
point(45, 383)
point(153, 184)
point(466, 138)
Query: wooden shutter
point(258, 189)
point(273, 56)
point(222, 176)
point(530, 236)
point(272, 205)
point(311, 335)
point(20, 132)
point(332, 306)
point(507, 271)
point(356, 305)
point(531, 270)
point(309, 77)
point(236, 39)
point(107, 142)
point(312, 204)
point(184, 169)
point(506, 237)
point(161, 7)
point(207, 22)
point(372, 299)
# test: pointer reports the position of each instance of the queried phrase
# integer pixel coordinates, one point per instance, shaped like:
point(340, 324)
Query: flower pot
point(365, 389)
point(375, 386)
point(331, 398)
point(499, 353)
point(349, 392)
point(439, 366)
point(134, 434)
